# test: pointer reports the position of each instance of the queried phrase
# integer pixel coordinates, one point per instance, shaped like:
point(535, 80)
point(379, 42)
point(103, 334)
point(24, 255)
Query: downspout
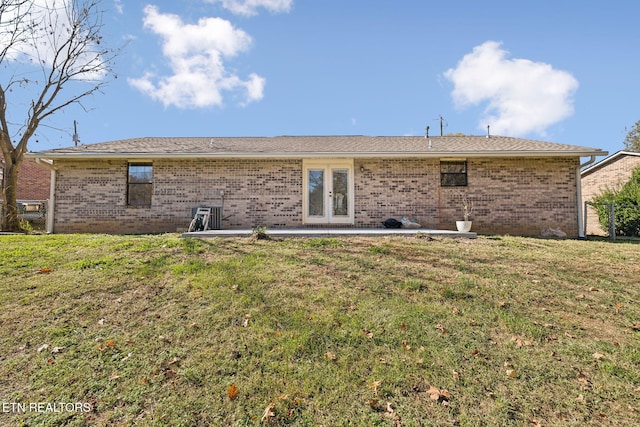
point(581, 230)
point(52, 192)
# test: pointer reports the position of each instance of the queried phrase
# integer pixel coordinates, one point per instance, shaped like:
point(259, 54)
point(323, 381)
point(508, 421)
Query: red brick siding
point(33, 181)
point(91, 196)
point(515, 196)
point(611, 175)
point(510, 196)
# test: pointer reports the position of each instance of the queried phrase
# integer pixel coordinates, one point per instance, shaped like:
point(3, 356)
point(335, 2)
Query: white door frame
point(327, 166)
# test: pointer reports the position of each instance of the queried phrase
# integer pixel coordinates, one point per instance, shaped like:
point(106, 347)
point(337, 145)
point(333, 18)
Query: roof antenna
point(488, 133)
point(442, 124)
point(76, 137)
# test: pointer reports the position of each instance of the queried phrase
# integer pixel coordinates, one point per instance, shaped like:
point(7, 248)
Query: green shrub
point(626, 202)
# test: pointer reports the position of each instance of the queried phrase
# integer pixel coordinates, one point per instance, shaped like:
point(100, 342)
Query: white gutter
point(52, 192)
point(582, 232)
point(315, 155)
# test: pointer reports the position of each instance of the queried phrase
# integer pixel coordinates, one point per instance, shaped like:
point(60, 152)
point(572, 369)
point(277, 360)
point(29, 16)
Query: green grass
point(153, 331)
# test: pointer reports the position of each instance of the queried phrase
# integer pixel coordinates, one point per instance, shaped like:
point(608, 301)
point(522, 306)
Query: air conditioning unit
point(215, 218)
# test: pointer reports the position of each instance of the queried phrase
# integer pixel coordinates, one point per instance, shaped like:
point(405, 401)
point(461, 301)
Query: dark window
point(453, 174)
point(139, 184)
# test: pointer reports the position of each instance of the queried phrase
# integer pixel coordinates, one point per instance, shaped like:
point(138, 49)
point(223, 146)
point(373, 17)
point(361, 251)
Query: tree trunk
point(10, 220)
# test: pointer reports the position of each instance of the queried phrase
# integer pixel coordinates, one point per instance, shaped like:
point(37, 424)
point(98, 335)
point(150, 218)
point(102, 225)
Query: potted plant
point(467, 207)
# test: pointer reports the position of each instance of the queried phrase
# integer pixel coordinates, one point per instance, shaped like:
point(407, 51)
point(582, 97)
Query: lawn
point(411, 331)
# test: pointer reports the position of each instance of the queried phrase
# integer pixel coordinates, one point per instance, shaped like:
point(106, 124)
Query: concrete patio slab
point(333, 232)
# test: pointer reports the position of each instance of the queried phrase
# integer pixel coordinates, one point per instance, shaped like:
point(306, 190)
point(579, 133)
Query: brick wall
point(91, 196)
point(33, 181)
point(613, 175)
point(511, 196)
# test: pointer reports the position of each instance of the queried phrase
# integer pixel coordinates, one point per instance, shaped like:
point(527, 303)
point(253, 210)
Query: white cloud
point(250, 7)
point(118, 6)
point(523, 96)
point(196, 54)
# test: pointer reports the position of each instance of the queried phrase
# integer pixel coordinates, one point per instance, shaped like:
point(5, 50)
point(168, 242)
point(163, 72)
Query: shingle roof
point(320, 146)
point(602, 163)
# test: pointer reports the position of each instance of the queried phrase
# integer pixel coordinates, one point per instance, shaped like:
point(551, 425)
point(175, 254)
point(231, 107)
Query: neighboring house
point(611, 172)
point(145, 185)
point(34, 182)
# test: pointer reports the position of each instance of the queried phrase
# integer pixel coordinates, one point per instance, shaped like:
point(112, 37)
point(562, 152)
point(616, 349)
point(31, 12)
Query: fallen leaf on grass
point(441, 328)
point(104, 346)
point(406, 345)
point(45, 270)
point(521, 343)
point(114, 376)
point(390, 413)
point(374, 386)
point(268, 413)
point(438, 394)
point(456, 376)
point(511, 373)
point(368, 333)
point(329, 355)
point(584, 381)
point(43, 347)
point(232, 392)
point(598, 356)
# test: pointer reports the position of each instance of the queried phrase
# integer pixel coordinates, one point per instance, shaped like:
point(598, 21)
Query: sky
point(558, 71)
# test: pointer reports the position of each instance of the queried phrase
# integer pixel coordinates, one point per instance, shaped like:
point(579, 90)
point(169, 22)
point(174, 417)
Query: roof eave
point(306, 155)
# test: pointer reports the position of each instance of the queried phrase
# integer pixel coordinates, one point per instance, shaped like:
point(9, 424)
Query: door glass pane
point(340, 191)
point(316, 192)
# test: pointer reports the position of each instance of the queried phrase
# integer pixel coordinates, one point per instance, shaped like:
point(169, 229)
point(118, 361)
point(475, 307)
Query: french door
point(328, 191)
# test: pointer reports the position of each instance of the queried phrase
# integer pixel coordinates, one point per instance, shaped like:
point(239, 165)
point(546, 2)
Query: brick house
point(143, 185)
point(611, 172)
point(33, 181)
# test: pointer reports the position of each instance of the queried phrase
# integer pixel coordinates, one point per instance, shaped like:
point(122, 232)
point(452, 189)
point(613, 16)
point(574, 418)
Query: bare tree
point(51, 54)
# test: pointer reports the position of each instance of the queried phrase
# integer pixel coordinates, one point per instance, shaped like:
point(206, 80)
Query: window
point(139, 184)
point(453, 173)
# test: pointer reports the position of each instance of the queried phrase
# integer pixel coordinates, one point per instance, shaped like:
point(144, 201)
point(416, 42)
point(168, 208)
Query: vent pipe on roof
point(488, 133)
point(212, 141)
point(427, 132)
point(76, 137)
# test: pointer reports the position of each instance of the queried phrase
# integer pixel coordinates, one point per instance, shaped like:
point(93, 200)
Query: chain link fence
point(612, 220)
point(32, 214)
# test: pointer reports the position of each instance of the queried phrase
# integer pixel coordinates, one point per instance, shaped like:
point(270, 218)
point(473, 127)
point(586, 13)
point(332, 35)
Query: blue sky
point(565, 72)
